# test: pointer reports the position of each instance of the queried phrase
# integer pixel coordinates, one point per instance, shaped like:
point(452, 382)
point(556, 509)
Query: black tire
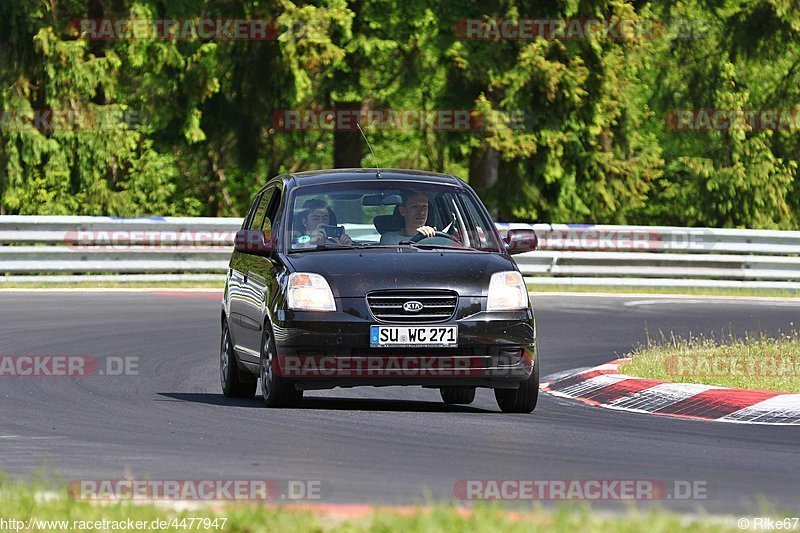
point(234, 382)
point(523, 399)
point(457, 395)
point(277, 391)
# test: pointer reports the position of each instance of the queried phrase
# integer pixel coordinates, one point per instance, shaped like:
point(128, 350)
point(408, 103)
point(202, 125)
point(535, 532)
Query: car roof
point(314, 177)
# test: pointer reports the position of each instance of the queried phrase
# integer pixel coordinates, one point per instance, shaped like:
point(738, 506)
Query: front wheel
point(277, 391)
point(234, 384)
point(523, 399)
point(457, 395)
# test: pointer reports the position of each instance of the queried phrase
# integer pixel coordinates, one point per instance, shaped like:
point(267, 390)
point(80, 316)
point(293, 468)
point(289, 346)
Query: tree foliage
point(570, 129)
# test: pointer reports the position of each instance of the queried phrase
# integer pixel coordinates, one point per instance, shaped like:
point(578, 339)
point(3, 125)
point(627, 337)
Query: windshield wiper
point(326, 246)
point(428, 245)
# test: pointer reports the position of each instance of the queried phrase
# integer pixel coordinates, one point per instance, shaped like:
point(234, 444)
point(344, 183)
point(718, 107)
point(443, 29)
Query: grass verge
point(753, 362)
point(115, 285)
point(699, 291)
point(34, 510)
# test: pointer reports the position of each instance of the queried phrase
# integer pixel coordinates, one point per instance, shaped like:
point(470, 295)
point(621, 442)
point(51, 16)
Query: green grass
point(754, 362)
point(691, 291)
point(115, 285)
point(24, 502)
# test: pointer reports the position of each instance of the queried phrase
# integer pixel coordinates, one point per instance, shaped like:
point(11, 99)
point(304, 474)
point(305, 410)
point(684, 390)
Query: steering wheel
point(419, 236)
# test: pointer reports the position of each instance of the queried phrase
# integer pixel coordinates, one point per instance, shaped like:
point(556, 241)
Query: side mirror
point(519, 241)
point(252, 241)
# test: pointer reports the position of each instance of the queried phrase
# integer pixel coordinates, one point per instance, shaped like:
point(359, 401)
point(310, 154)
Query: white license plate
point(424, 336)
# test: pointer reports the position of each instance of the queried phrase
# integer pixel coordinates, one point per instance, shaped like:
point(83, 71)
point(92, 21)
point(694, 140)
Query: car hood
point(354, 273)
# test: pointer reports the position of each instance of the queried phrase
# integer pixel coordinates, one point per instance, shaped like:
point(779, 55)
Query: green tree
point(744, 58)
point(563, 140)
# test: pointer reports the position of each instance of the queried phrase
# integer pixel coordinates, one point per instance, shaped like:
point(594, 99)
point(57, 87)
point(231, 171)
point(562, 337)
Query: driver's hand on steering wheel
point(427, 231)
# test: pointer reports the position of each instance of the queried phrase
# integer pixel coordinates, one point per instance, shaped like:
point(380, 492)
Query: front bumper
point(326, 350)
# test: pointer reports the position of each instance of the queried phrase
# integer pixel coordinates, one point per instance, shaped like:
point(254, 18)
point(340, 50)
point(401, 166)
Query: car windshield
point(358, 214)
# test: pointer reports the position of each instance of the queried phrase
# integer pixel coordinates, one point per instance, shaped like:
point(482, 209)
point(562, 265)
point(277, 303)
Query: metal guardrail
point(41, 248)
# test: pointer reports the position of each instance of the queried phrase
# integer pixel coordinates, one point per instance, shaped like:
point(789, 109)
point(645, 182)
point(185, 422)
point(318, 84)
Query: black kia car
point(352, 277)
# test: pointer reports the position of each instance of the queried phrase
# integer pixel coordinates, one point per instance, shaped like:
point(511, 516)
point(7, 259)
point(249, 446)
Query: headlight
point(507, 292)
point(310, 292)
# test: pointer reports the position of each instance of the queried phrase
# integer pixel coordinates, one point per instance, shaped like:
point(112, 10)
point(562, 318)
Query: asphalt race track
point(369, 445)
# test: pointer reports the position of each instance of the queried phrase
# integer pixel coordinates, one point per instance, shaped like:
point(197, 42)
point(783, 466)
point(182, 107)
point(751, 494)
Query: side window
point(439, 216)
point(271, 214)
point(257, 219)
point(250, 212)
point(479, 233)
point(442, 211)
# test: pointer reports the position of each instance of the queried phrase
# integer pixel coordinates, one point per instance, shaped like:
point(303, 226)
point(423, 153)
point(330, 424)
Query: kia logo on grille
point(412, 307)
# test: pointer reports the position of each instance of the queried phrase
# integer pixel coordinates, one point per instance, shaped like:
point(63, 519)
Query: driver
point(414, 211)
point(316, 215)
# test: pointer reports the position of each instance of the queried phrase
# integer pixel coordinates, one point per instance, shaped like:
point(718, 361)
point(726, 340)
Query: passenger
point(314, 217)
point(414, 211)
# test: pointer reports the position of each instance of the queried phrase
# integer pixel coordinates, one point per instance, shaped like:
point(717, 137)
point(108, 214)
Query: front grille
point(437, 306)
